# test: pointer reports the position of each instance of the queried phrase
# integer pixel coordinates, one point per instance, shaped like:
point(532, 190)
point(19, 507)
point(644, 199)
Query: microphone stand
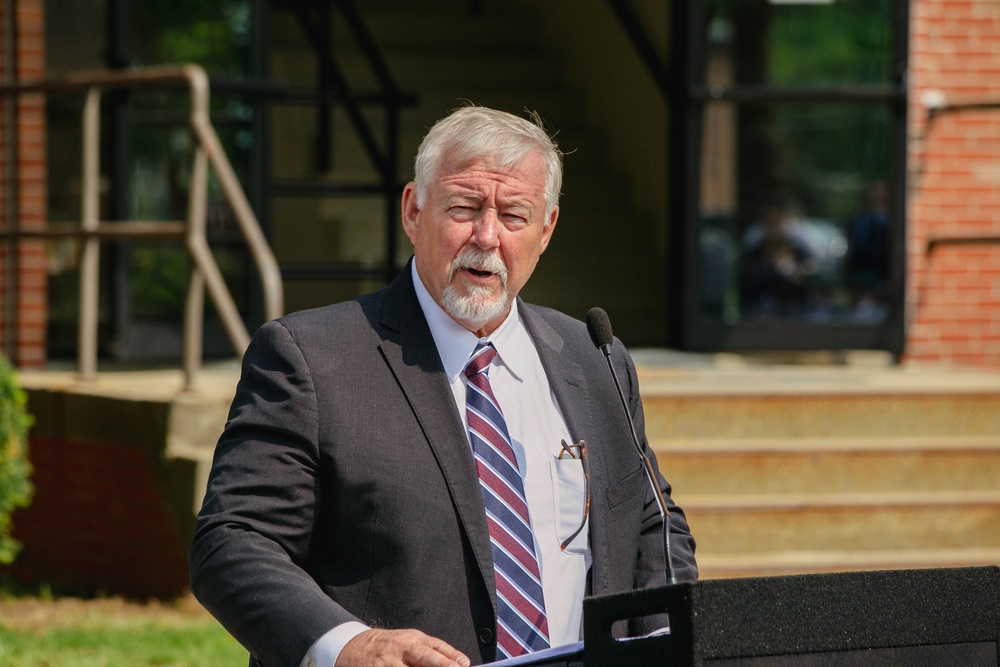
point(661, 503)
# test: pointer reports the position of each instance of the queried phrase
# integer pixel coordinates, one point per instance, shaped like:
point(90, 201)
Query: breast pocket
point(569, 490)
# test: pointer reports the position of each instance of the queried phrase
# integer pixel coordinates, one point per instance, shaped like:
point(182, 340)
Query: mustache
point(479, 260)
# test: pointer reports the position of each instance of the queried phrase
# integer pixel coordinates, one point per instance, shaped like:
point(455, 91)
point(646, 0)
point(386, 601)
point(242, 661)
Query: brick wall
point(24, 277)
point(954, 292)
point(99, 523)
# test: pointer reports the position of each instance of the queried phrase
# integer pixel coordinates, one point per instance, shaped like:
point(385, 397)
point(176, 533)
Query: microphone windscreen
point(599, 327)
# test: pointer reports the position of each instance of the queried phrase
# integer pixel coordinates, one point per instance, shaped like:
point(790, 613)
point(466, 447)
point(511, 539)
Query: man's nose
point(486, 233)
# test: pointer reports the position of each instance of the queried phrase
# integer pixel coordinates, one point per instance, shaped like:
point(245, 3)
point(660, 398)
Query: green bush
point(15, 470)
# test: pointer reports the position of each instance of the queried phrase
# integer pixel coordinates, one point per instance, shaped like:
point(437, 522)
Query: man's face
point(478, 236)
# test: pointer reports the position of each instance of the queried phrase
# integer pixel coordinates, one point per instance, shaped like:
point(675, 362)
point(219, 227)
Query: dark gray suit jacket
point(343, 487)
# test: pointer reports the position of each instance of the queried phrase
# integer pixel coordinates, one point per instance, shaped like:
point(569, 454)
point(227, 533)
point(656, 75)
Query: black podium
point(919, 618)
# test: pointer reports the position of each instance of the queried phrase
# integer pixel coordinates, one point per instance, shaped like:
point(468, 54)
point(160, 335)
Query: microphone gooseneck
point(599, 328)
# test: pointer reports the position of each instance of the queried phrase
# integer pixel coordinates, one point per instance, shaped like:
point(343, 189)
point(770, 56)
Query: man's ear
point(550, 227)
point(409, 210)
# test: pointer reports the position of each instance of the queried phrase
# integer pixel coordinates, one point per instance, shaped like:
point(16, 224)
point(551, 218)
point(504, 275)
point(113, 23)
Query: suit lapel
point(411, 354)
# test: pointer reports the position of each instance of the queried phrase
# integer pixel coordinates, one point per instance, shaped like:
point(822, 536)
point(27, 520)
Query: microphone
point(599, 328)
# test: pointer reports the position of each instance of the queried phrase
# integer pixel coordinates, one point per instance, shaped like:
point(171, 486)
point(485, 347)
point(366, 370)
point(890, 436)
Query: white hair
point(475, 132)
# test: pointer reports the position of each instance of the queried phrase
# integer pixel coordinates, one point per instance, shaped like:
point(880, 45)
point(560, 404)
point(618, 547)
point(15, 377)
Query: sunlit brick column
point(954, 164)
point(23, 277)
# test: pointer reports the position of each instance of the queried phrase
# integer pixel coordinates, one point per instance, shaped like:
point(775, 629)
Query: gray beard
point(478, 308)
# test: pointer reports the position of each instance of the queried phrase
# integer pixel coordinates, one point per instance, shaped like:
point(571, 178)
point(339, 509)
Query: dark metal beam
point(643, 45)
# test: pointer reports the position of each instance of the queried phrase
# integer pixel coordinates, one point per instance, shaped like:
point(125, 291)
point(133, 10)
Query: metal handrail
point(643, 45)
point(205, 272)
point(936, 106)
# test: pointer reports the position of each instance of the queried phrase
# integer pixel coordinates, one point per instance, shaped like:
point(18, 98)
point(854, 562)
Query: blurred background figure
point(868, 253)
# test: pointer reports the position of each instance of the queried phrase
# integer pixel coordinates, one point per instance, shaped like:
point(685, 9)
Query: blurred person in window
point(778, 264)
point(868, 253)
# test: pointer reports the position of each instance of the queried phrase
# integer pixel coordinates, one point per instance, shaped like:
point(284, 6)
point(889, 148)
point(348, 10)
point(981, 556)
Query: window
point(789, 133)
point(146, 161)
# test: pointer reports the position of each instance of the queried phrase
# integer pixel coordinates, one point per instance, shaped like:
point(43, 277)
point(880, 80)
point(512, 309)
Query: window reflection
point(156, 159)
point(790, 263)
point(794, 219)
point(868, 251)
point(847, 41)
point(794, 223)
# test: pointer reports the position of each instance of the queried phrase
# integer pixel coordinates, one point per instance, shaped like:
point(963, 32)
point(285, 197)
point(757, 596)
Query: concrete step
point(757, 412)
point(858, 465)
point(844, 522)
point(787, 469)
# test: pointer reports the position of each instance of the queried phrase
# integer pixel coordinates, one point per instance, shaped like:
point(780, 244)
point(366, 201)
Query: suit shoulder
point(572, 331)
point(322, 314)
point(555, 318)
point(545, 322)
point(332, 321)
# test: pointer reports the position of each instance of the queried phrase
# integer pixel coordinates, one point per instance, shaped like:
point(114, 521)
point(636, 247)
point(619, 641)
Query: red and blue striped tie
point(521, 623)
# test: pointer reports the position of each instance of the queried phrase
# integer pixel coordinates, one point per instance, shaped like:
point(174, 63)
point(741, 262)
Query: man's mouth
point(480, 268)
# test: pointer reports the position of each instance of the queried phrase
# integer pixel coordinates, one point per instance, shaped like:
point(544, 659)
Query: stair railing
point(205, 273)
point(643, 45)
point(939, 106)
point(334, 88)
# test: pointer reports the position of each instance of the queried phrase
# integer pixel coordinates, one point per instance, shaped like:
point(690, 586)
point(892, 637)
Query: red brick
point(123, 537)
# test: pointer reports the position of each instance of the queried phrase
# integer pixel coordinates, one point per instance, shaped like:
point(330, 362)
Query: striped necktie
point(521, 623)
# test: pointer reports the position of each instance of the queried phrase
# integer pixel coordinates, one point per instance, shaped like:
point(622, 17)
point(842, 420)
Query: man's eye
point(462, 211)
point(512, 219)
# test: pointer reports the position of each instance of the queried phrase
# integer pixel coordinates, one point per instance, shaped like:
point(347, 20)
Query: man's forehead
point(460, 190)
point(524, 179)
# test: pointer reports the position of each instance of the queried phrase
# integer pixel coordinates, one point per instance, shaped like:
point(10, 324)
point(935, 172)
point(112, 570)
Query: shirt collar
point(455, 343)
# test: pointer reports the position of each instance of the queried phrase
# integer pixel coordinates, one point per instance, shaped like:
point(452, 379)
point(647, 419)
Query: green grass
point(121, 647)
point(99, 638)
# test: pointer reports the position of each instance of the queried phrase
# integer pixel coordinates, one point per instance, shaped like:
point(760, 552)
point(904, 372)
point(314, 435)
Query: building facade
point(23, 187)
point(953, 236)
point(322, 159)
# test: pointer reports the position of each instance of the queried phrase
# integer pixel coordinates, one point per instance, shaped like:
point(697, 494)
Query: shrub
point(15, 470)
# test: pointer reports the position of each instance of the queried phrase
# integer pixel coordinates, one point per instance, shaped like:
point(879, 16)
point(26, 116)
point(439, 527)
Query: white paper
point(564, 651)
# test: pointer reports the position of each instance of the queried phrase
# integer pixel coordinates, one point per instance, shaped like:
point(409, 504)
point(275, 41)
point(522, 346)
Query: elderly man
point(437, 473)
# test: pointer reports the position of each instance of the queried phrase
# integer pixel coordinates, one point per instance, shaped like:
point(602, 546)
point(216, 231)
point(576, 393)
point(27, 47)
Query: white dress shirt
point(553, 487)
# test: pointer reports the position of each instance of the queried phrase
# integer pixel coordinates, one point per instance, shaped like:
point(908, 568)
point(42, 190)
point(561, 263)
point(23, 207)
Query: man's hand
point(392, 648)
